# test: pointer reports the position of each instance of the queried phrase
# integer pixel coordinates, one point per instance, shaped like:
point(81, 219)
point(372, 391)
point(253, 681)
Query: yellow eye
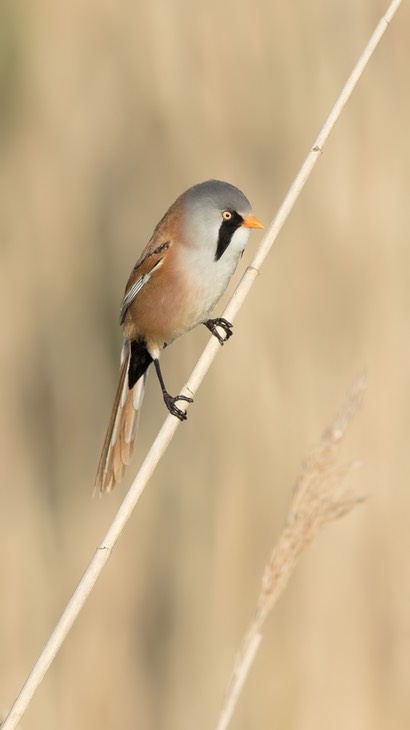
point(227, 215)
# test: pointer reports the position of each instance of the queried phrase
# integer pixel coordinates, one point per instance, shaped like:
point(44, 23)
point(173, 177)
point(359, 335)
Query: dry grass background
point(107, 111)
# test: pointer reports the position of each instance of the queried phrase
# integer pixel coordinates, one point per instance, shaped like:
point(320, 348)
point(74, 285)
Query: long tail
point(119, 440)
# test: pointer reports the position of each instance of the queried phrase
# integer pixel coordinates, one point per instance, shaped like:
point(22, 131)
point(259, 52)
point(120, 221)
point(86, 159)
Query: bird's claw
point(173, 409)
point(223, 323)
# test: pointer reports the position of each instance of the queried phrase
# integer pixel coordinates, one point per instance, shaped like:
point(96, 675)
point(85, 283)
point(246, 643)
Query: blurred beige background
point(108, 110)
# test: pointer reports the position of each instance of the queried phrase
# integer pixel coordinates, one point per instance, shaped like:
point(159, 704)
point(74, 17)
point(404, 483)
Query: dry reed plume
point(321, 495)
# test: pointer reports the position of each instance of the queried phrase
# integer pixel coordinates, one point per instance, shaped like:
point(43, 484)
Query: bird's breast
point(181, 293)
point(206, 279)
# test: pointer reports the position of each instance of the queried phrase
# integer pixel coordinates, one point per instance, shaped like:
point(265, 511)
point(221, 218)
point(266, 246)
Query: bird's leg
point(170, 400)
point(212, 325)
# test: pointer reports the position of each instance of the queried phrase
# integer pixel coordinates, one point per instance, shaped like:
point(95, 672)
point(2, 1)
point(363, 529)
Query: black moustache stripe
point(226, 231)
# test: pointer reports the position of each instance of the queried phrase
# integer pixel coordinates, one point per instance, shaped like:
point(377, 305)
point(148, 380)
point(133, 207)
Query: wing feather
point(141, 274)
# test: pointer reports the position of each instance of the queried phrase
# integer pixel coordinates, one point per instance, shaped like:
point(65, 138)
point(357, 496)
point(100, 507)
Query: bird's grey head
point(214, 214)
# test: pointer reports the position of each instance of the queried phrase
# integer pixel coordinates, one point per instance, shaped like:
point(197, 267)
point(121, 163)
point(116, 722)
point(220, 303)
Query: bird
point(174, 286)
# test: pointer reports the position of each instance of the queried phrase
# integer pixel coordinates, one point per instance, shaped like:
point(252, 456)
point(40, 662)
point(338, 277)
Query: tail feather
point(120, 437)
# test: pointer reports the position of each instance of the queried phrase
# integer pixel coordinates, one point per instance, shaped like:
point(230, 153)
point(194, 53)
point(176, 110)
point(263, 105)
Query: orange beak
point(251, 222)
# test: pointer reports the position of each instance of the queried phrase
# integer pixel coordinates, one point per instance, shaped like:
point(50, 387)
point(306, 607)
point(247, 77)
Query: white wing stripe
point(136, 287)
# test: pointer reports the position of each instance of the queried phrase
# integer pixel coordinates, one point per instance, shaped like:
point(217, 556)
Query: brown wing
point(141, 274)
point(153, 255)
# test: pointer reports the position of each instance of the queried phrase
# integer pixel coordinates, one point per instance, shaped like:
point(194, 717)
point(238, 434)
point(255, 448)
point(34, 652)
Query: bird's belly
point(167, 306)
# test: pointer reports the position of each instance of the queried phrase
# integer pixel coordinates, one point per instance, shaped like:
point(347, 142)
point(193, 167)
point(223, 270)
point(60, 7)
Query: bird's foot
point(170, 401)
point(212, 325)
